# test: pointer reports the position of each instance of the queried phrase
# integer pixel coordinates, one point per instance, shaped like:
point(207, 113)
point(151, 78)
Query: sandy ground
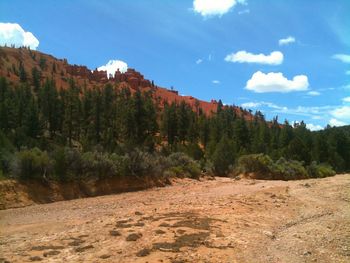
point(221, 220)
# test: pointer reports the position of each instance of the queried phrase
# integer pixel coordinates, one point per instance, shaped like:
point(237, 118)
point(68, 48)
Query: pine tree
point(22, 73)
point(223, 156)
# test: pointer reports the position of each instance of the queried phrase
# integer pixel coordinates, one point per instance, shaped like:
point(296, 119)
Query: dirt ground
point(221, 220)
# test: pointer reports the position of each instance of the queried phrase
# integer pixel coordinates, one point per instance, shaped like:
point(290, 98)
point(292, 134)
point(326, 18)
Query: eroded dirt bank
point(14, 194)
point(220, 220)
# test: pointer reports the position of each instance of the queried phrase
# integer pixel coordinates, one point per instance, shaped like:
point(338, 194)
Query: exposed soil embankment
point(14, 194)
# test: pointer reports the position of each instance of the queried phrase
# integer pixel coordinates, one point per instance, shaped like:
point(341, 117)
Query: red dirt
point(220, 220)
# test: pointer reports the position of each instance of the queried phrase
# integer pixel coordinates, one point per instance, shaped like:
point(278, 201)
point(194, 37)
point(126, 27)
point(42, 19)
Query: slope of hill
point(61, 71)
point(64, 124)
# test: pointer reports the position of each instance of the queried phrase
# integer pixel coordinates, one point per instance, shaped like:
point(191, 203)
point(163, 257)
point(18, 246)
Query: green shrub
point(2, 176)
point(180, 163)
point(223, 157)
point(263, 167)
point(320, 170)
point(179, 159)
point(289, 170)
point(260, 164)
point(195, 151)
point(177, 171)
point(97, 164)
point(193, 169)
point(142, 163)
point(32, 164)
point(121, 164)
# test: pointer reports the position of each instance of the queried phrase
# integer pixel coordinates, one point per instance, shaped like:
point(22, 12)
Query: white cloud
point(314, 93)
point(13, 34)
point(313, 127)
point(346, 99)
point(346, 86)
point(216, 81)
point(215, 7)
point(112, 66)
point(342, 57)
point(342, 113)
point(245, 11)
point(286, 41)
point(335, 122)
point(338, 115)
point(263, 104)
point(251, 104)
point(198, 61)
point(275, 58)
point(276, 82)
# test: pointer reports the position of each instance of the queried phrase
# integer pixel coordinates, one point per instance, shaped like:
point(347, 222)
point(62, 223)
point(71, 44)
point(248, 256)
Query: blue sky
point(223, 49)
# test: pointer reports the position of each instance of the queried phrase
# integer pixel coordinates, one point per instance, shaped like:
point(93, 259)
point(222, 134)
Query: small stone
point(114, 233)
point(36, 258)
point(269, 234)
point(76, 242)
point(82, 249)
point(133, 237)
point(143, 252)
point(306, 253)
point(51, 253)
point(138, 213)
point(105, 256)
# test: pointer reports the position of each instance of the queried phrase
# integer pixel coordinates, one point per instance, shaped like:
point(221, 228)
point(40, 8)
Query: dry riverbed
point(221, 220)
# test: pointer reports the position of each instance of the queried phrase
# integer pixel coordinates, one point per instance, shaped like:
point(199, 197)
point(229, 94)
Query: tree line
point(40, 119)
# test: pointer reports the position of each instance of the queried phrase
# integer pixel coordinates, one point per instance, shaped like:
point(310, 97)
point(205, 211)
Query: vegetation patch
point(261, 166)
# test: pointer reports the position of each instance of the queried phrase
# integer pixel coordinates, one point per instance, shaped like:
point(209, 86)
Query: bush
point(2, 176)
point(97, 164)
point(143, 163)
point(67, 164)
point(259, 164)
point(289, 170)
point(32, 164)
point(320, 170)
point(263, 167)
point(180, 163)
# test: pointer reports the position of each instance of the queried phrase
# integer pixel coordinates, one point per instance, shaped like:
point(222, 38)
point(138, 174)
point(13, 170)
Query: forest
point(68, 134)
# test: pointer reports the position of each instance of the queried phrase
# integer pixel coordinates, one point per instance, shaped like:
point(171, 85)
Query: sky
point(288, 58)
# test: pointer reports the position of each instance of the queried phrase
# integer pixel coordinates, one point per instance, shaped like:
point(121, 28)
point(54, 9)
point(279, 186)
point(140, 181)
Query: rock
point(76, 242)
point(143, 252)
point(105, 256)
point(306, 253)
point(269, 234)
point(159, 232)
point(114, 233)
point(36, 258)
point(51, 253)
point(82, 249)
point(138, 213)
point(133, 237)
point(41, 248)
